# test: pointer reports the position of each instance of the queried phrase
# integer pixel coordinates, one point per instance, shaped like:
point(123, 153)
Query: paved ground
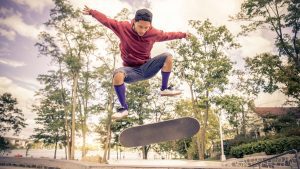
point(168, 163)
point(9, 167)
point(146, 164)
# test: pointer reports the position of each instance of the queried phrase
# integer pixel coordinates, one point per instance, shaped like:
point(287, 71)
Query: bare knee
point(169, 59)
point(118, 78)
point(168, 63)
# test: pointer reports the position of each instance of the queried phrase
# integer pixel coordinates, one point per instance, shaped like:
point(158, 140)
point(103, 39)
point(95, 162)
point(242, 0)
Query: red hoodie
point(135, 49)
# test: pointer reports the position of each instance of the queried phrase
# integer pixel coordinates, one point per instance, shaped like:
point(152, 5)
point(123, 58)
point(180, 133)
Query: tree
point(4, 145)
point(28, 146)
point(234, 106)
point(204, 66)
point(281, 124)
point(139, 104)
point(275, 71)
point(50, 112)
point(87, 82)
point(72, 41)
point(104, 76)
point(11, 117)
point(189, 148)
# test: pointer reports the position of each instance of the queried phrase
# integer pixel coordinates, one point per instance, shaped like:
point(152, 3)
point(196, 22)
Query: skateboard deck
point(159, 132)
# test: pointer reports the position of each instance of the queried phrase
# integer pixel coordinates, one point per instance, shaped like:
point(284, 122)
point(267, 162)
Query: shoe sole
point(118, 118)
point(171, 94)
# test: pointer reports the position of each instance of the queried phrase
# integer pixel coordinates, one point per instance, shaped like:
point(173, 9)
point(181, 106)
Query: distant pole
point(223, 158)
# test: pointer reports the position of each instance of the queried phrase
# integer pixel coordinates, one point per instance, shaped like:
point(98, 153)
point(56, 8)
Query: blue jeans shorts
point(145, 71)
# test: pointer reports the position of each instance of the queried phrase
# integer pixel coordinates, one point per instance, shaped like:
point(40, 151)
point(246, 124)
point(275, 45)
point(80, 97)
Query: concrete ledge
point(287, 160)
point(45, 163)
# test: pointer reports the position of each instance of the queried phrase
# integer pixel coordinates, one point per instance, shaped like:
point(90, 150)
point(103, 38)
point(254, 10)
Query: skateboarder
point(137, 38)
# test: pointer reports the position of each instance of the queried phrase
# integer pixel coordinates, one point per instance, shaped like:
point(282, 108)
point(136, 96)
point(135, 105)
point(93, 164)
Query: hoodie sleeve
point(112, 24)
point(164, 36)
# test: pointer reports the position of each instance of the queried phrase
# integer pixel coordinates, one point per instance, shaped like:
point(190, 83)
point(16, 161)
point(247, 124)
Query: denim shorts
point(145, 71)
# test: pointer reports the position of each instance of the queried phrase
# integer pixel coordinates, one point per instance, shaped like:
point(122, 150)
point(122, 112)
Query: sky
point(22, 20)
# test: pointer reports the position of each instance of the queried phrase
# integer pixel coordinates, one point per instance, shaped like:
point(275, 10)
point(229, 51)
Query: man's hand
point(188, 35)
point(86, 10)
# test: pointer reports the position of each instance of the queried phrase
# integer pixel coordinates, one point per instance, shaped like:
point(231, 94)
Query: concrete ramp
point(45, 163)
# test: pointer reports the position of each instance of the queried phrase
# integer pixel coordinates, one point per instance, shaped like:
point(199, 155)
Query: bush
point(240, 140)
point(4, 146)
point(274, 146)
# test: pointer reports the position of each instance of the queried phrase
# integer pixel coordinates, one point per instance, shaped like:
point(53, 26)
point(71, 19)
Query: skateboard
point(159, 132)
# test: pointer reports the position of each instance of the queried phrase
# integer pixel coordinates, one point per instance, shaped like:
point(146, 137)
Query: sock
point(165, 79)
point(120, 90)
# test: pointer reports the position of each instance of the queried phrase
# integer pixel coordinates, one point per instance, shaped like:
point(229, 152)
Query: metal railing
point(279, 155)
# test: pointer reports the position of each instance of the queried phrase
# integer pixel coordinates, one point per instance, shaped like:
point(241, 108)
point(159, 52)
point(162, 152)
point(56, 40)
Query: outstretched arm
point(112, 24)
point(164, 36)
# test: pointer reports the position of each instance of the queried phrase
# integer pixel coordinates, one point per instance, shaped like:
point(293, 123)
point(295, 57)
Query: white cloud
point(183, 10)
point(11, 62)
point(17, 24)
point(6, 11)
point(109, 8)
point(277, 99)
point(8, 34)
point(23, 95)
point(37, 6)
point(254, 44)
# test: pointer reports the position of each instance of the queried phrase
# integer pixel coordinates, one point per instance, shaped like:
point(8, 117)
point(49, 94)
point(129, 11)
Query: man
point(137, 38)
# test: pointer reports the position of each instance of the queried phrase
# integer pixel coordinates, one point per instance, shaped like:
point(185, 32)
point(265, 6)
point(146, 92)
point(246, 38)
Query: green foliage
point(188, 147)
point(138, 101)
point(281, 71)
point(11, 118)
point(205, 67)
point(4, 146)
point(282, 124)
point(233, 106)
point(69, 44)
point(271, 146)
point(265, 71)
point(183, 146)
point(50, 111)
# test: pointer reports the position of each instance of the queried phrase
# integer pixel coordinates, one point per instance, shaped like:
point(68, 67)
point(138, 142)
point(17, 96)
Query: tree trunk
point(203, 131)
point(198, 142)
point(84, 149)
point(55, 149)
point(84, 131)
point(66, 152)
point(66, 129)
point(74, 99)
point(195, 112)
point(107, 143)
point(85, 109)
point(236, 127)
point(243, 122)
point(83, 125)
point(145, 150)
point(106, 146)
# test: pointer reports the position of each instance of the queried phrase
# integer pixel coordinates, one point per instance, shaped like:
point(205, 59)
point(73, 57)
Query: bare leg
point(165, 72)
point(118, 79)
point(168, 64)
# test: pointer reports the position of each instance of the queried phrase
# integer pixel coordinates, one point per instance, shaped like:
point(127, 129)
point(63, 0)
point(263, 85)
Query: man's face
point(141, 27)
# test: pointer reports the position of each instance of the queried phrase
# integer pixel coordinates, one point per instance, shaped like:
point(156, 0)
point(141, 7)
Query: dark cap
point(143, 14)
